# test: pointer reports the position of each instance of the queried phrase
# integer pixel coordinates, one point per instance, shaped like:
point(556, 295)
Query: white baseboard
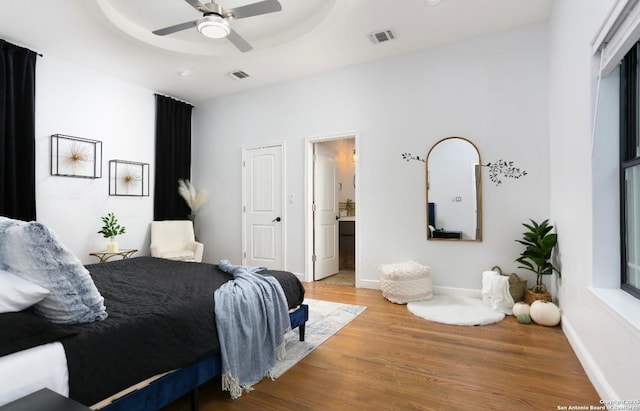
point(597, 378)
point(370, 284)
point(461, 292)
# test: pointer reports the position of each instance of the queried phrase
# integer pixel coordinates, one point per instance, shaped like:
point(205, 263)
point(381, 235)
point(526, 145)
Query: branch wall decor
point(497, 169)
point(408, 157)
point(75, 157)
point(503, 168)
point(128, 178)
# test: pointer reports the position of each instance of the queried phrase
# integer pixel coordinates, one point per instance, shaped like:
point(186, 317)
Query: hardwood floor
point(388, 359)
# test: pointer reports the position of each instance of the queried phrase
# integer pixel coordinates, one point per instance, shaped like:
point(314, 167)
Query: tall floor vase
point(192, 217)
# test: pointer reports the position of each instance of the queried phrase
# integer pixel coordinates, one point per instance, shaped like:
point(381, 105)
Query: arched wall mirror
point(454, 191)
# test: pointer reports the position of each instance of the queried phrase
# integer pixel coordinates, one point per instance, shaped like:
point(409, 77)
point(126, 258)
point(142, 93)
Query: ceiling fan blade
point(238, 41)
point(255, 9)
point(197, 5)
point(177, 27)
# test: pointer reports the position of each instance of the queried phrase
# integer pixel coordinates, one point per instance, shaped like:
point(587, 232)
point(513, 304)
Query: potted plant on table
point(539, 242)
point(110, 229)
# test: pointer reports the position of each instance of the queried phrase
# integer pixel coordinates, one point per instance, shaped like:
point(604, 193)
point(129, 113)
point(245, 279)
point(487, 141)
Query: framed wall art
point(128, 178)
point(75, 157)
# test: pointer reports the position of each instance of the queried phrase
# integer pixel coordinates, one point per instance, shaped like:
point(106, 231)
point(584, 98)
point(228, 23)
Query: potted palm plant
point(539, 242)
point(110, 229)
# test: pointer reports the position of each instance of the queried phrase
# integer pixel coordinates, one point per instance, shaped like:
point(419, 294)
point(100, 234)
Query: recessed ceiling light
point(432, 2)
point(184, 73)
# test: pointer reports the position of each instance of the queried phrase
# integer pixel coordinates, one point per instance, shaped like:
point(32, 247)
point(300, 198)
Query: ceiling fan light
point(213, 26)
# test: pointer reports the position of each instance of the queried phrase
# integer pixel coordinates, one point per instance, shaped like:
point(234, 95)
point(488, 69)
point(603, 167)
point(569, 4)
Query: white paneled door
point(325, 212)
point(263, 218)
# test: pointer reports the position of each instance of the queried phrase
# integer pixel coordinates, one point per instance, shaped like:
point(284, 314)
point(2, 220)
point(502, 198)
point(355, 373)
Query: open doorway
point(333, 215)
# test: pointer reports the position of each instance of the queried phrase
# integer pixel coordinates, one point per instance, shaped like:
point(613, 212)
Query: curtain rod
point(21, 46)
point(180, 100)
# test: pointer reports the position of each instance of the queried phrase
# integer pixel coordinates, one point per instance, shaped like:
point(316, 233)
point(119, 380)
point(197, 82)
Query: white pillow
point(17, 294)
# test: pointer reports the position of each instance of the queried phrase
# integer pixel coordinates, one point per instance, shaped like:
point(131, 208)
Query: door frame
point(308, 200)
point(245, 149)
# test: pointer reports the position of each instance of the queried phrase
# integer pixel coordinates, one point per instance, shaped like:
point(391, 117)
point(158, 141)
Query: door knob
point(337, 217)
point(276, 219)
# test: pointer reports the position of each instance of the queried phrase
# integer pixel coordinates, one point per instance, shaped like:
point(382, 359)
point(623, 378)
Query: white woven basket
point(405, 282)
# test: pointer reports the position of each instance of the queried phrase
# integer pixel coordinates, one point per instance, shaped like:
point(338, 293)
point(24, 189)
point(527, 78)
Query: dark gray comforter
point(161, 317)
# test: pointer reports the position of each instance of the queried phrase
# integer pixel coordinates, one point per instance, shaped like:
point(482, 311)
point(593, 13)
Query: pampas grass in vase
point(194, 199)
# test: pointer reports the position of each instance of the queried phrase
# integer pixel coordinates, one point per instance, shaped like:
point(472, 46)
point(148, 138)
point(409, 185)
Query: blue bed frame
point(170, 387)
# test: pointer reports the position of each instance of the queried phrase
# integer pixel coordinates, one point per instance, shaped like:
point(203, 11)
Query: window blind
point(619, 32)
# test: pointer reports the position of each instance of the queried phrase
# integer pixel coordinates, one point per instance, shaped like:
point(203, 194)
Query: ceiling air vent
point(239, 74)
point(381, 36)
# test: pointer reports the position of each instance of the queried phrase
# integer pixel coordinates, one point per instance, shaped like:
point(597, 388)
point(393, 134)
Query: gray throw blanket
point(252, 318)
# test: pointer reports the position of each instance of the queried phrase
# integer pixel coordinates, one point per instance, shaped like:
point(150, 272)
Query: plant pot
point(112, 247)
point(533, 295)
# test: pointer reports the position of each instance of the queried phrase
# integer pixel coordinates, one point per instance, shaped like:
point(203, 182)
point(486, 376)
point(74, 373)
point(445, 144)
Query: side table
point(103, 256)
point(44, 400)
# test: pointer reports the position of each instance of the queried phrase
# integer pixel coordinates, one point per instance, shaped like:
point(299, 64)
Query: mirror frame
point(478, 191)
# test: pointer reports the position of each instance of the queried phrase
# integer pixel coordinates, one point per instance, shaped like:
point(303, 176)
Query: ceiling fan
point(215, 20)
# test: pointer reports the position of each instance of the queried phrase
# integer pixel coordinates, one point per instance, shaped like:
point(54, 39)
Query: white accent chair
point(175, 240)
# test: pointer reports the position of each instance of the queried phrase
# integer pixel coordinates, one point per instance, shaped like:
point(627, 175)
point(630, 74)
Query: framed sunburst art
point(75, 157)
point(128, 178)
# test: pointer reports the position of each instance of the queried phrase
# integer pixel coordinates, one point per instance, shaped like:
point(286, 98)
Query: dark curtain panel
point(173, 157)
point(17, 132)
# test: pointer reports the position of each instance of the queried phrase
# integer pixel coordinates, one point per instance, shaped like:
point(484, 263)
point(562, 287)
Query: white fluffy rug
point(455, 310)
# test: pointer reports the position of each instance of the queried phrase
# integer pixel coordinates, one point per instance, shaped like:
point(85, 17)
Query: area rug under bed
point(326, 318)
point(455, 310)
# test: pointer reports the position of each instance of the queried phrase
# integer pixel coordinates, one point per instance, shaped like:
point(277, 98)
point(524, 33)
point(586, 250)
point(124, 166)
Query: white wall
point(582, 182)
point(73, 101)
point(492, 90)
point(605, 340)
